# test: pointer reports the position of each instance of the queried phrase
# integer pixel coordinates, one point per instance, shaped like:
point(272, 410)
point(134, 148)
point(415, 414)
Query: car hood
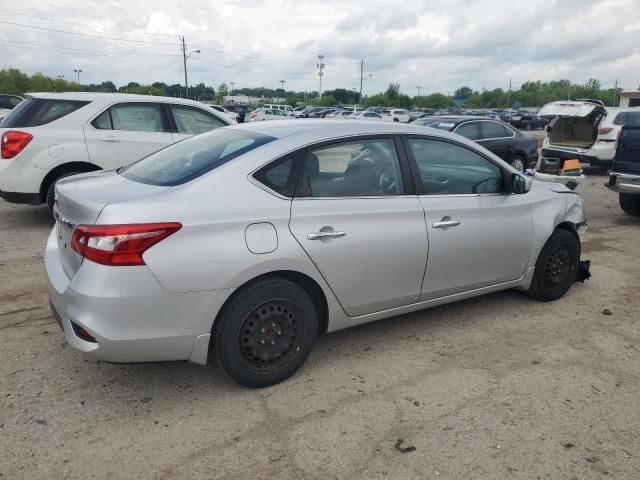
point(569, 109)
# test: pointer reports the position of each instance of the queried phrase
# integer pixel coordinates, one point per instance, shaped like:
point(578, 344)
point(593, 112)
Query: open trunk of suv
point(576, 123)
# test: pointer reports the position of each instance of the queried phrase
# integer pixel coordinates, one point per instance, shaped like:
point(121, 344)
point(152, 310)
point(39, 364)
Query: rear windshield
point(33, 112)
point(186, 160)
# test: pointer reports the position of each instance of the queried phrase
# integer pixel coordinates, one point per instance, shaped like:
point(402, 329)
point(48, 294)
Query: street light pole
point(282, 82)
point(418, 90)
point(320, 66)
point(78, 72)
point(185, 57)
point(232, 84)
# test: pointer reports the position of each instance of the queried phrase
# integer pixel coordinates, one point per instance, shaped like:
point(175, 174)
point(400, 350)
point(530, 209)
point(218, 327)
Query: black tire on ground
point(519, 163)
point(396, 120)
point(51, 192)
point(265, 332)
point(556, 267)
point(630, 203)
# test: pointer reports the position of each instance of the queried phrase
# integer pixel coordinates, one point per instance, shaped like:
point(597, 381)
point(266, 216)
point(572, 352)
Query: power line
point(85, 34)
point(100, 52)
point(83, 25)
point(79, 53)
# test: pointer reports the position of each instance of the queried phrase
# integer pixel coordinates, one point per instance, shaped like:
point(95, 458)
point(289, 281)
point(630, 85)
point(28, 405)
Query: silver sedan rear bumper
point(624, 183)
point(130, 317)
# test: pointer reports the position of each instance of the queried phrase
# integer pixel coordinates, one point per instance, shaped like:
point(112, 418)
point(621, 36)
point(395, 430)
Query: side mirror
point(520, 184)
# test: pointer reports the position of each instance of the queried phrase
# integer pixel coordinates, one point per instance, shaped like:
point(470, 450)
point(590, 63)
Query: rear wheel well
point(71, 167)
point(307, 283)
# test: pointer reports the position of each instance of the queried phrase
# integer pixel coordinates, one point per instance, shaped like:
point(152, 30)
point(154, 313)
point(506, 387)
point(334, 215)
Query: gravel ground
point(495, 387)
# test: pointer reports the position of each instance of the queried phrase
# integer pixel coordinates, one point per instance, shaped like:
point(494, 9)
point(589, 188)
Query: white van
point(585, 129)
point(273, 106)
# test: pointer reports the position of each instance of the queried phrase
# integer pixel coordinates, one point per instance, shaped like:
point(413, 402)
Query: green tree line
point(530, 94)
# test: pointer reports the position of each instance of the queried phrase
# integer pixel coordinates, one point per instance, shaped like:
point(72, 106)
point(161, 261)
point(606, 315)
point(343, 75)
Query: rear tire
point(265, 333)
point(556, 267)
point(51, 191)
point(630, 203)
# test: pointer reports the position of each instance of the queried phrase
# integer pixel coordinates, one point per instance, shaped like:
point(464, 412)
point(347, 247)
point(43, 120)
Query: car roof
point(110, 97)
point(285, 128)
point(459, 118)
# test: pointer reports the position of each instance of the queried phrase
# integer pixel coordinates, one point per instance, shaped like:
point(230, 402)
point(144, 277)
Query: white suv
point(585, 129)
point(53, 135)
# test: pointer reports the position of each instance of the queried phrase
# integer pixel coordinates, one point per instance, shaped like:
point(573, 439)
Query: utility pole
point(184, 59)
point(361, 78)
point(615, 92)
point(509, 94)
point(320, 67)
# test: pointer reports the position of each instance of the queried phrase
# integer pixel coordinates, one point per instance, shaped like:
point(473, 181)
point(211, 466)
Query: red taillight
point(605, 130)
point(14, 142)
point(119, 244)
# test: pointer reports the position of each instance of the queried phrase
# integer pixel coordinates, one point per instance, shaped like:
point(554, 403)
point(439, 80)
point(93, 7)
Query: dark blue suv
point(624, 176)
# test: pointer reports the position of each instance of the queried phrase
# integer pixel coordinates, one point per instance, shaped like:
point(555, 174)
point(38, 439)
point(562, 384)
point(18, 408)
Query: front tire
point(265, 333)
point(630, 203)
point(556, 267)
point(519, 163)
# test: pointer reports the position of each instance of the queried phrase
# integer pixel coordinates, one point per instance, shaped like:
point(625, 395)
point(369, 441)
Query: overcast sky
point(437, 45)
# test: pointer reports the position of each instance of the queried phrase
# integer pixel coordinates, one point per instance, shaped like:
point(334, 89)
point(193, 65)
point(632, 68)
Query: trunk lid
point(570, 108)
point(81, 198)
point(575, 128)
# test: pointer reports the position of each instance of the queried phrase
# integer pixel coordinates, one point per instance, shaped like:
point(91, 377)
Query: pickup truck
point(624, 176)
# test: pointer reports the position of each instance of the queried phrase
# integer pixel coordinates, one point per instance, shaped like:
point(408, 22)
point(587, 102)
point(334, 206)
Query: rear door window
point(33, 112)
point(494, 130)
point(138, 117)
point(193, 120)
point(368, 167)
point(620, 118)
point(633, 118)
point(469, 130)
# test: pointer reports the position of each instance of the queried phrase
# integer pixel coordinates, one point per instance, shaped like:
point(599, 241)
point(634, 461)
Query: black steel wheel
point(265, 333)
point(556, 267)
point(267, 337)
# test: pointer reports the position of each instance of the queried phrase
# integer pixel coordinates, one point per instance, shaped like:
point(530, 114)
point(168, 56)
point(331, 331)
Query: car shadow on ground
point(168, 379)
point(26, 216)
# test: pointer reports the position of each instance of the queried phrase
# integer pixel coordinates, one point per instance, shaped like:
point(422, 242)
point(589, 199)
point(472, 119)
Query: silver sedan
point(246, 243)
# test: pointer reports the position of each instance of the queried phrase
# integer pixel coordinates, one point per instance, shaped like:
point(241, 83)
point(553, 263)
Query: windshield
point(191, 158)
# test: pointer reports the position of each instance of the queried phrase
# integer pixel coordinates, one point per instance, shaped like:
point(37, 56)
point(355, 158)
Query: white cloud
point(439, 45)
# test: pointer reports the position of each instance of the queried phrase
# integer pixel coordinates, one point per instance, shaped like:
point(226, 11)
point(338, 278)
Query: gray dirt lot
point(495, 387)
